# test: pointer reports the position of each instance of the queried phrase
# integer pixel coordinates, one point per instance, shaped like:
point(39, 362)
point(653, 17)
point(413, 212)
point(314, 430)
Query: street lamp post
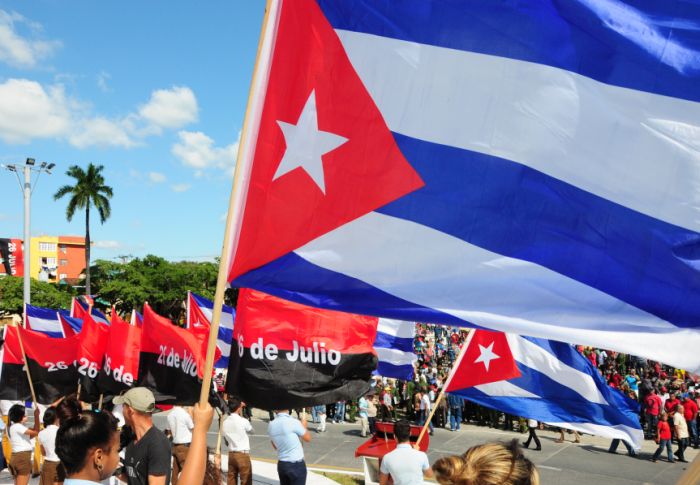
point(27, 189)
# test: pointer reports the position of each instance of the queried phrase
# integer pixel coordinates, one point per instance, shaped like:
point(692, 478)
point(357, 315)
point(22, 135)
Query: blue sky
point(154, 91)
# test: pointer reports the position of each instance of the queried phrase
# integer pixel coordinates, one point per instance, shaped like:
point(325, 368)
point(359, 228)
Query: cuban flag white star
point(306, 144)
point(486, 355)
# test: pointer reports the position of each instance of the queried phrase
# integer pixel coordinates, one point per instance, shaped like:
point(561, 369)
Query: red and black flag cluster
point(171, 360)
point(50, 362)
point(120, 368)
point(93, 342)
point(285, 355)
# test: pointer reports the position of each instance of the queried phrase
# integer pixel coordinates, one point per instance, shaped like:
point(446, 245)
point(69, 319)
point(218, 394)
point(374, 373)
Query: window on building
point(51, 262)
point(63, 248)
point(64, 262)
point(47, 246)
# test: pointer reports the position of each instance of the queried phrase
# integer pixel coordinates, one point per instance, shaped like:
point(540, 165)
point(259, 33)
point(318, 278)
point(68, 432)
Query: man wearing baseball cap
point(147, 458)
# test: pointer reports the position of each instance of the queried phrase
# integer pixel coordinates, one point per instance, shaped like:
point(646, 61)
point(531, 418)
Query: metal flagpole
point(455, 366)
point(234, 215)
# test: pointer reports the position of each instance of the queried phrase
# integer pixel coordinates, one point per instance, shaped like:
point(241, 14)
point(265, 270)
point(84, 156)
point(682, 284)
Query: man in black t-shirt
point(147, 458)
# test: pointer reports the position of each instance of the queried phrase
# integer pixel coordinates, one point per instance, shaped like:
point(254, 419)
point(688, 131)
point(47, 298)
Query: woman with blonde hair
point(487, 464)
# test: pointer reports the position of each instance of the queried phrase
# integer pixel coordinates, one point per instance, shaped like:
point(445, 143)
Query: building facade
point(56, 258)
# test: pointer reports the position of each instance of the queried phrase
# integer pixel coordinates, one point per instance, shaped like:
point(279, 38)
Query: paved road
point(566, 463)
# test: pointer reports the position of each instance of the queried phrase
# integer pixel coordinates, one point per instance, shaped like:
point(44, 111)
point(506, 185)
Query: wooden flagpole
point(440, 397)
point(234, 213)
point(692, 474)
point(24, 357)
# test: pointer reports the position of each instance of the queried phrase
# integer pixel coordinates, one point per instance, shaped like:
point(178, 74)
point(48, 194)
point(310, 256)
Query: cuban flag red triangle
point(486, 358)
point(323, 147)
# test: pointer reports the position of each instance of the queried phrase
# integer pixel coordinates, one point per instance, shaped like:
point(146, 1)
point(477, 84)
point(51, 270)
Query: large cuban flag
point(552, 383)
point(394, 347)
point(199, 313)
point(531, 167)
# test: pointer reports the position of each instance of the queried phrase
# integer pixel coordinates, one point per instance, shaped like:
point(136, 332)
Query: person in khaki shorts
point(180, 424)
point(20, 436)
point(235, 429)
point(52, 471)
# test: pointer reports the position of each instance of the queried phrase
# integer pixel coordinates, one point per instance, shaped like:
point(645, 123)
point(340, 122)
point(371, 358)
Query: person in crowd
point(286, 433)
point(404, 465)
point(671, 404)
point(681, 430)
point(180, 424)
point(653, 407)
point(387, 405)
point(147, 458)
point(690, 413)
point(633, 380)
point(198, 468)
point(20, 439)
point(339, 416)
point(532, 434)
point(87, 443)
point(235, 429)
point(663, 438)
point(363, 408)
point(372, 413)
point(425, 407)
point(455, 403)
point(577, 436)
point(52, 471)
point(488, 464)
point(321, 414)
point(616, 442)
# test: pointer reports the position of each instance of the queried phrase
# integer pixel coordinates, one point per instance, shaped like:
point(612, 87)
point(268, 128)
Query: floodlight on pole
point(27, 190)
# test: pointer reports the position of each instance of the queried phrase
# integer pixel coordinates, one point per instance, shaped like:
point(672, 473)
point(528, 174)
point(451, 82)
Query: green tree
point(89, 190)
point(42, 294)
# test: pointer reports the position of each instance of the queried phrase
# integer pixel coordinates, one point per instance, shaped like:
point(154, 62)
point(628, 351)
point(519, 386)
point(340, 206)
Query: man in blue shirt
point(285, 433)
point(404, 465)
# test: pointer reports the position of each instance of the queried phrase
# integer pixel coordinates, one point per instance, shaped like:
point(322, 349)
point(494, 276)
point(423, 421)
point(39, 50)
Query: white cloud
point(114, 245)
point(27, 111)
point(170, 108)
point(180, 187)
point(23, 51)
point(156, 177)
point(197, 150)
point(102, 79)
point(101, 132)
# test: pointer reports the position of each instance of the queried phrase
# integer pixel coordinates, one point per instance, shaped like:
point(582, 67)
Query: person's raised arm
point(33, 432)
point(306, 436)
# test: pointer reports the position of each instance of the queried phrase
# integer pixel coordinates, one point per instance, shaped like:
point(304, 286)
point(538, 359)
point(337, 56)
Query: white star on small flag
point(486, 355)
point(306, 144)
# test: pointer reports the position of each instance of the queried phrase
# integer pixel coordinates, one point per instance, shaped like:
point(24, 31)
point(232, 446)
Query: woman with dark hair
point(20, 436)
point(52, 471)
point(87, 442)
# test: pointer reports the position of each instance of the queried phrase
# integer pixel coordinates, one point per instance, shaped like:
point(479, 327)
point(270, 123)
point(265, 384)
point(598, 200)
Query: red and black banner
point(50, 362)
point(285, 355)
point(93, 343)
point(172, 360)
point(120, 368)
point(14, 385)
point(11, 257)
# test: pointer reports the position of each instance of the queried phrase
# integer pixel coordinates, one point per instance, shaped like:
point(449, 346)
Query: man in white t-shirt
point(681, 429)
point(180, 424)
point(235, 429)
point(404, 465)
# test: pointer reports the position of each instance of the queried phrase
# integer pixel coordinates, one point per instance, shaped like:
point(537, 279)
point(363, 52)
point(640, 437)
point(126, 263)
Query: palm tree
point(89, 190)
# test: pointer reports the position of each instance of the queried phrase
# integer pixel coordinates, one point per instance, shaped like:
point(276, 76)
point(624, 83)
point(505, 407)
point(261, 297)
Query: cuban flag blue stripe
point(558, 385)
point(649, 46)
point(387, 369)
point(387, 341)
point(521, 213)
point(75, 323)
point(44, 320)
point(293, 278)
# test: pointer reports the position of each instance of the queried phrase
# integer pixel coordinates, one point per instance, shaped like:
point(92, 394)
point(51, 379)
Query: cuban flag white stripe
point(395, 357)
point(396, 328)
point(536, 357)
point(619, 431)
point(507, 294)
point(505, 389)
point(538, 115)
